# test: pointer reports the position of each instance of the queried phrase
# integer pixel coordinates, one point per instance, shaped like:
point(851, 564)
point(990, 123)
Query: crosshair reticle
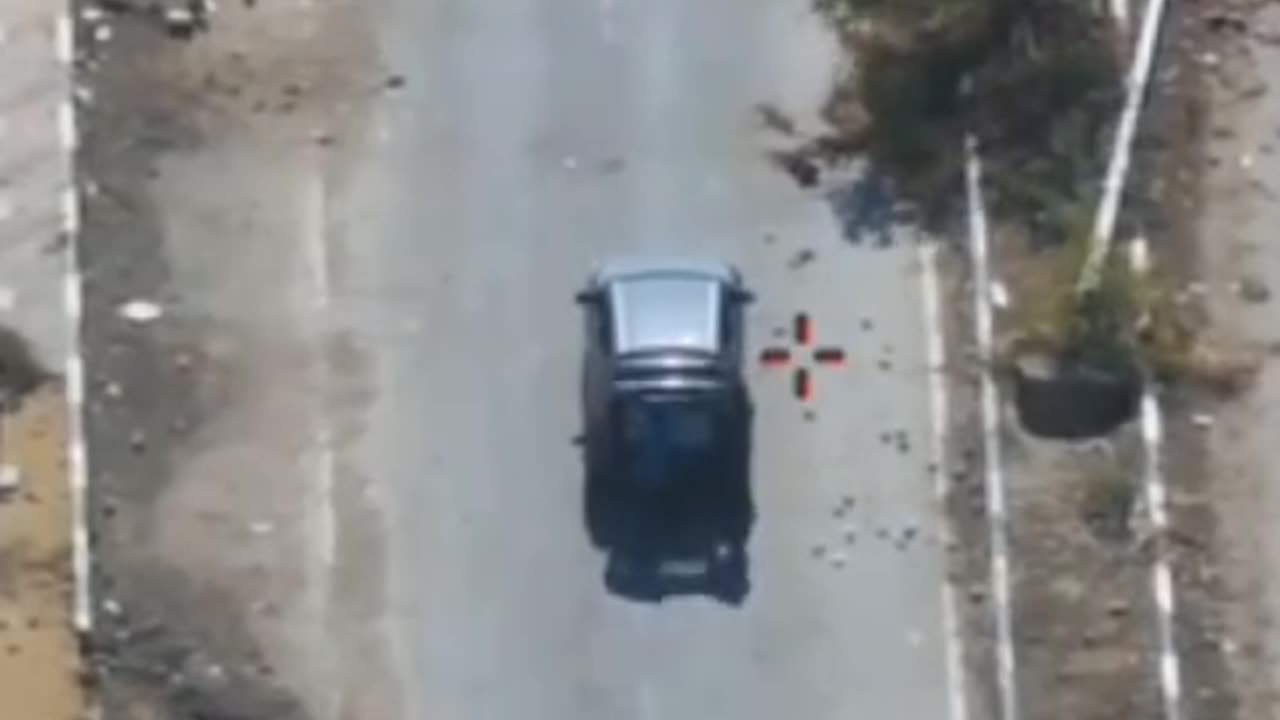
point(802, 338)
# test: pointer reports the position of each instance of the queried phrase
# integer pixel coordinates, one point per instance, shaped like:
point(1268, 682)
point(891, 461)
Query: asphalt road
point(532, 139)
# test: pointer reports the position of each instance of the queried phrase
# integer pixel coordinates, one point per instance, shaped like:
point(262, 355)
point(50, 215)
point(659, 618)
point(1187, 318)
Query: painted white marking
point(1139, 256)
point(72, 298)
point(75, 380)
point(64, 40)
point(1120, 14)
point(71, 212)
point(1118, 167)
point(318, 265)
point(994, 472)
point(1163, 588)
point(67, 125)
point(1171, 680)
point(1152, 432)
point(935, 353)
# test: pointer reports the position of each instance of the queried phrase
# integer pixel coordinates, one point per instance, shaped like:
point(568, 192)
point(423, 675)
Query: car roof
point(638, 265)
point(666, 311)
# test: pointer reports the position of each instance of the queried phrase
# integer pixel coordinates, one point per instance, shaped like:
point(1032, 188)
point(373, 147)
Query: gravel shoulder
point(238, 570)
point(1223, 451)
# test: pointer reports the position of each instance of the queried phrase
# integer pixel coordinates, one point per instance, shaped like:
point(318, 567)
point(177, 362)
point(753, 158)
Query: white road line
point(1118, 167)
point(67, 134)
point(1158, 514)
point(73, 301)
point(994, 472)
point(64, 40)
point(318, 265)
point(935, 350)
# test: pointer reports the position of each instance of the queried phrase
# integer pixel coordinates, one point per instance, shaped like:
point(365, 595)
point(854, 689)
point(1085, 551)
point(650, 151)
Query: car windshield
point(657, 312)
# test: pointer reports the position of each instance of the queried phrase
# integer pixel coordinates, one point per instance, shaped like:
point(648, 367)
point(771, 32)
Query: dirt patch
point(1083, 612)
point(39, 654)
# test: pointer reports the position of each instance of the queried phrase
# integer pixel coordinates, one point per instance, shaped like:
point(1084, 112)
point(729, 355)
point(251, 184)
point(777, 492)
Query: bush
point(1034, 78)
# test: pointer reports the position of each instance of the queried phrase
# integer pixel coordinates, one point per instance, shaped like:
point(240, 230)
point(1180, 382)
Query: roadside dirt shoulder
point(39, 665)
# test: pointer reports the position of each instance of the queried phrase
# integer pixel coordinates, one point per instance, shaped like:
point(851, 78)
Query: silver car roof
point(630, 266)
point(665, 303)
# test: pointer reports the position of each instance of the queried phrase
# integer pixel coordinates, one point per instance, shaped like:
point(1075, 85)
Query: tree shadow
point(867, 209)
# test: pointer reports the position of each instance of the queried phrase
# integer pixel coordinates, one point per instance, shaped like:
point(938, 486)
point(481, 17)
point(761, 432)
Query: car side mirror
point(586, 297)
point(743, 296)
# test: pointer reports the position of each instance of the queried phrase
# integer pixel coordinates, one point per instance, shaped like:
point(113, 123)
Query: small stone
point(1203, 420)
point(137, 440)
point(111, 607)
point(113, 390)
point(999, 295)
point(395, 82)
point(801, 258)
point(1118, 608)
point(10, 478)
point(1252, 289)
point(140, 311)
point(865, 324)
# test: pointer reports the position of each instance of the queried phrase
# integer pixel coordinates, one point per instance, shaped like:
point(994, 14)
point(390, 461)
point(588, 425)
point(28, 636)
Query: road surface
point(531, 139)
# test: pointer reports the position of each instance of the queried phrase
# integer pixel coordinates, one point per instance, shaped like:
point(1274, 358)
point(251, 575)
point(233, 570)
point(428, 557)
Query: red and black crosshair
point(803, 340)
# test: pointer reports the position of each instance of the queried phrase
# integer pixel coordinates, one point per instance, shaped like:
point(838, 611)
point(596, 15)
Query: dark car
point(667, 416)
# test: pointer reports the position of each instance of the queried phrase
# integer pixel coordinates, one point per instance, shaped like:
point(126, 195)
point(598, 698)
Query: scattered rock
point(802, 170)
point(999, 295)
point(111, 607)
point(10, 480)
point(137, 440)
point(394, 82)
point(801, 258)
point(1225, 22)
point(140, 311)
point(774, 119)
point(1118, 608)
point(1252, 289)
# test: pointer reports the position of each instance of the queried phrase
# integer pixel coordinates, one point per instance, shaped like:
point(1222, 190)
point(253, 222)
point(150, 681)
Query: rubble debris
point(801, 258)
point(999, 295)
point(1252, 289)
point(1226, 22)
point(774, 119)
point(10, 480)
point(804, 171)
point(140, 311)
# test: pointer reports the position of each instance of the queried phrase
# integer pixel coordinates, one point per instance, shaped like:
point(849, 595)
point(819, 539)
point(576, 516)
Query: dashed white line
point(990, 408)
point(318, 265)
point(935, 353)
point(67, 134)
point(73, 301)
point(1156, 493)
point(64, 40)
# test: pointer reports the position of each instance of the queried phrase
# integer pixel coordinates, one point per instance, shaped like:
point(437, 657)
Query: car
point(666, 410)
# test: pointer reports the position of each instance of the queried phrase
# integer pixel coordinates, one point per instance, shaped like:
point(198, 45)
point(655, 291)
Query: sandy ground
point(38, 654)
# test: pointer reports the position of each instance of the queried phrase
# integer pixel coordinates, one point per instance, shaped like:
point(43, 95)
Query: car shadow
point(688, 541)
